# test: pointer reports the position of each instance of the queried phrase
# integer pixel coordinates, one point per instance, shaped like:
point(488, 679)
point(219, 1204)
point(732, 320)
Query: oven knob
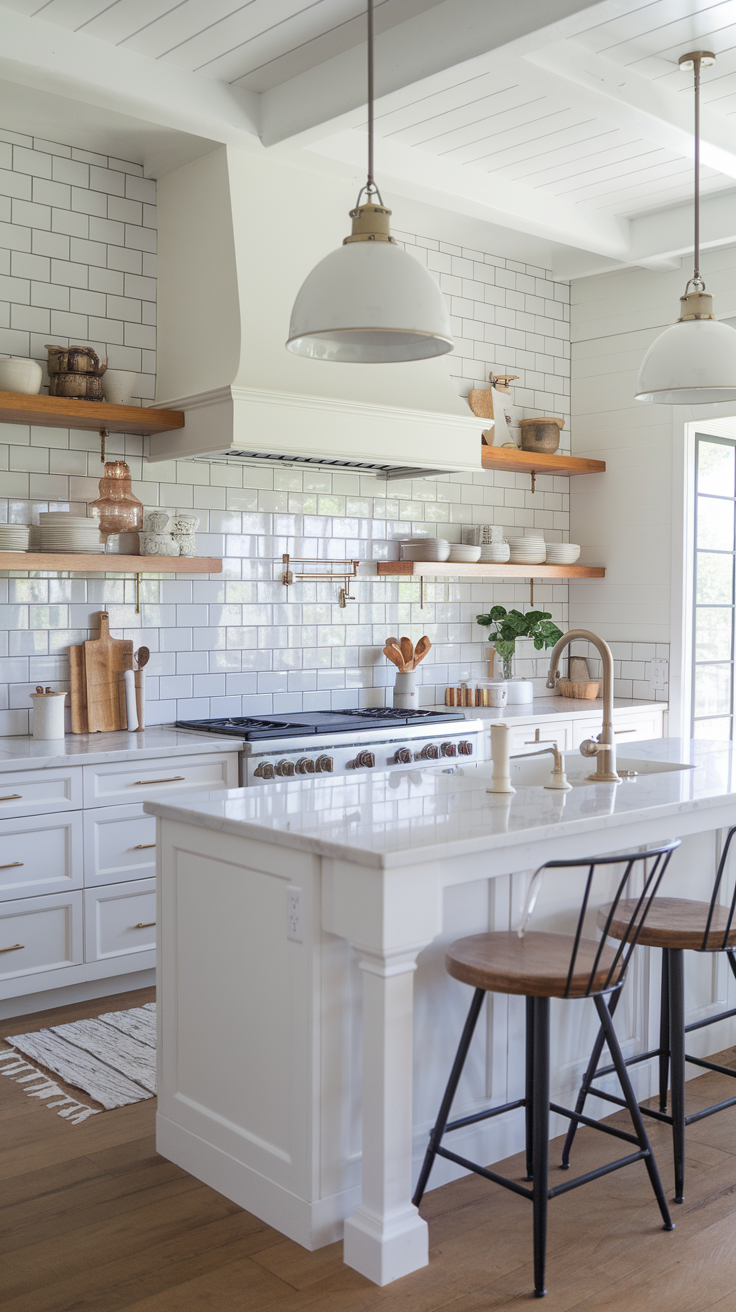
point(264, 771)
point(430, 752)
point(304, 765)
point(324, 765)
point(465, 748)
point(365, 761)
point(449, 749)
point(285, 767)
point(403, 756)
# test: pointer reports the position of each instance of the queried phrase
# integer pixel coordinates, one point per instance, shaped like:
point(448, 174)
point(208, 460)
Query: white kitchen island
point(306, 1023)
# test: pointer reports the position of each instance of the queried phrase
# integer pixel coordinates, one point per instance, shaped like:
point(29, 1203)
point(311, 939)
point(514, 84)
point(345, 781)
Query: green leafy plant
point(504, 627)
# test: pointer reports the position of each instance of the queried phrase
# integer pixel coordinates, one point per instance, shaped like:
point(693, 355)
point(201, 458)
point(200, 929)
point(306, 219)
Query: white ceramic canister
point(118, 385)
point(519, 692)
point(497, 694)
point(48, 714)
point(405, 692)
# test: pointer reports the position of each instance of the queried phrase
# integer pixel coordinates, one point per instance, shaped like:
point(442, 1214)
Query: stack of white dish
point(462, 554)
point(60, 531)
point(562, 553)
point(527, 551)
point(425, 549)
point(14, 537)
point(496, 553)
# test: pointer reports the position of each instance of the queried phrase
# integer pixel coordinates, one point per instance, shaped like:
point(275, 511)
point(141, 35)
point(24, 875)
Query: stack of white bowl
point(425, 549)
point(14, 537)
point(60, 531)
point(496, 553)
point(462, 554)
point(528, 550)
point(562, 553)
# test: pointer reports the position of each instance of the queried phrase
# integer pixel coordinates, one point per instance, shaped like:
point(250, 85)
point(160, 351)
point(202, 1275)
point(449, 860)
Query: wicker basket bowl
point(586, 692)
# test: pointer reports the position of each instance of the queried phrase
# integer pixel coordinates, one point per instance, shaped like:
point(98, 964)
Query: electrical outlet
point(659, 675)
point(294, 914)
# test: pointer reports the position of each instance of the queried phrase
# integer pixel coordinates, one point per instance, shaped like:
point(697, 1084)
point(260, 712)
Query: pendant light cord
point(370, 189)
point(697, 281)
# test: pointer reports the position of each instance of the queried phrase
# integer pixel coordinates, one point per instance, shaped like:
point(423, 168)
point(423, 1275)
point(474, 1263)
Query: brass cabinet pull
point(11, 797)
point(142, 924)
point(624, 731)
point(175, 779)
point(140, 846)
point(9, 865)
point(13, 947)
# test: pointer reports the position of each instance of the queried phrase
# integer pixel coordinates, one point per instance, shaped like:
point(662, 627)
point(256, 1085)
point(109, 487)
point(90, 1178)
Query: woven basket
point(586, 692)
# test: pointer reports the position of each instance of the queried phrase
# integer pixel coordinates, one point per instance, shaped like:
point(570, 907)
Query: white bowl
point(20, 375)
point(462, 554)
point(496, 553)
point(421, 550)
point(562, 553)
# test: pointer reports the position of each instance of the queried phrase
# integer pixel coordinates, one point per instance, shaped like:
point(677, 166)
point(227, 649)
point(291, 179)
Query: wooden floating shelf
point(67, 412)
point(532, 462)
point(81, 563)
point(414, 569)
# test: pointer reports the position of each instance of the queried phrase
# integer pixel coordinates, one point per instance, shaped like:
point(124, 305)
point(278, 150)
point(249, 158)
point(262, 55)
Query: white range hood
point(238, 234)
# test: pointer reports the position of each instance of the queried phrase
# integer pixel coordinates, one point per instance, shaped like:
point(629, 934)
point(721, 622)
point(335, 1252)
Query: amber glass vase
point(117, 507)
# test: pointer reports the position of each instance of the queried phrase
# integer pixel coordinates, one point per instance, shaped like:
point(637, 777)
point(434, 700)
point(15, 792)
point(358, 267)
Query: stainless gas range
point(337, 742)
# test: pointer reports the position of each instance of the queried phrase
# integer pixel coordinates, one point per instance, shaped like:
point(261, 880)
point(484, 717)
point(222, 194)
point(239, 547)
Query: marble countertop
point(551, 708)
point(99, 748)
point(399, 818)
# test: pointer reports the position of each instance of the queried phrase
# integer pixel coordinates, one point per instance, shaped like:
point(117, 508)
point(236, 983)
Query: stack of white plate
point(562, 553)
point(60, 531)
point(14, 537)
point(425, 549)
point(497, 553)
point(527, 551)
point(462, 554)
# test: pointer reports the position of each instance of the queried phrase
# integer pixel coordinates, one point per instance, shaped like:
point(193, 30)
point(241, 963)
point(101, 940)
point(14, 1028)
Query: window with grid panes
point(715, 559)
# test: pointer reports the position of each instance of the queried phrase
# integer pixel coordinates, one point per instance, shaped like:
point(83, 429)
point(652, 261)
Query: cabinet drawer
point(626, 728)
point(127, 781)
point(120, 921)
point(119, 844)
point(531, 738)
point(31, 792)
point(40, 856)
point(40, 934)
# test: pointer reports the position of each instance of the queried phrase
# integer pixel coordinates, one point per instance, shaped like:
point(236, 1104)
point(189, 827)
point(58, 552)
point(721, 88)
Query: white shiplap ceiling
point(558, 117)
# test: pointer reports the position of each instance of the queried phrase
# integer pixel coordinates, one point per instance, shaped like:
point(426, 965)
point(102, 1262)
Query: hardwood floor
point(93, 1220)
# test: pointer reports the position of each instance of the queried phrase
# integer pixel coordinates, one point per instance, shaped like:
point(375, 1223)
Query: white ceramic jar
point(48, 714)
point(118, 385)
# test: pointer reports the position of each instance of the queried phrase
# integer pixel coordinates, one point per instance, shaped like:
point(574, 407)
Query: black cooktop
point(307, 722)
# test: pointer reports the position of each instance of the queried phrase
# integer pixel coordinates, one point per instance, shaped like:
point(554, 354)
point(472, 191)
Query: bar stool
point(675, 925)
point(540, 966)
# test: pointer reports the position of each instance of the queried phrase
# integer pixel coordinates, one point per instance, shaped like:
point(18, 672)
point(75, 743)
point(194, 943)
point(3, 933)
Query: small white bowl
point(461, 554)
point(420, 550)
point(20, 375)
point(496, 553)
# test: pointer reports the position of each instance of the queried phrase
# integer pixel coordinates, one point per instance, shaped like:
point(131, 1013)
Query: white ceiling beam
point(52, 59)
point(490, 196)
point(631, 101)
point(442, 37)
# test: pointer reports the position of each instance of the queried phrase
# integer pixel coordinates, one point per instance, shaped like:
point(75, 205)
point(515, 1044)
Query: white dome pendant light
point(369, 302)
point(694, 361)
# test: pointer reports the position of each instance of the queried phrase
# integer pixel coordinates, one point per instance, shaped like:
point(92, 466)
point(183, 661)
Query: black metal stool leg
point(677, 1054)
point(588, 1078)
point(664, 1032)
point(731, 961)
point(540, 1136)
point(529, 1090)
point(633, 1106)
point(436, 1134)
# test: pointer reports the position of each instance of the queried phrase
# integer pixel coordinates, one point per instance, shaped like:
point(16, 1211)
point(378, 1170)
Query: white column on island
point(385, 1238)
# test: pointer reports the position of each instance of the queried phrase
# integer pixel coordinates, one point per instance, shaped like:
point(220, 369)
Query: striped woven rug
point(112, 1058)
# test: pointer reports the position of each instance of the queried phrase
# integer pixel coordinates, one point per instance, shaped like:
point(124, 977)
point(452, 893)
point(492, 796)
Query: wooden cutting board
point(78, 689)
point(105, 661)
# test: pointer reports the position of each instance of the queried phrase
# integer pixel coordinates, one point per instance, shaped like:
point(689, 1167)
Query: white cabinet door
point(119, 844)
point(40, 943)
point(126, 781)
point(120, 928)
point(629, 727)
point(40, 856)
point(531, 738)
point(31, 792)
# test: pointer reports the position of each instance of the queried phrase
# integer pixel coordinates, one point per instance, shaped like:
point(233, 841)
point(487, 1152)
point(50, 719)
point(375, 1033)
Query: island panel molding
point(67, 412)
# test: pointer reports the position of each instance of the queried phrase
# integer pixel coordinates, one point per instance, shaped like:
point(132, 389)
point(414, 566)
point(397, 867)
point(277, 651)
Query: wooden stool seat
point(675, 922)
point(536, 966)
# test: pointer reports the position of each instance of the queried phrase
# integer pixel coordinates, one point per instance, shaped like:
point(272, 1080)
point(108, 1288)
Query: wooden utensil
point(407, 651)
point(141, 657)
point(105, 661)
point(420, 651)
point(78, 689)
point(394, 654)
